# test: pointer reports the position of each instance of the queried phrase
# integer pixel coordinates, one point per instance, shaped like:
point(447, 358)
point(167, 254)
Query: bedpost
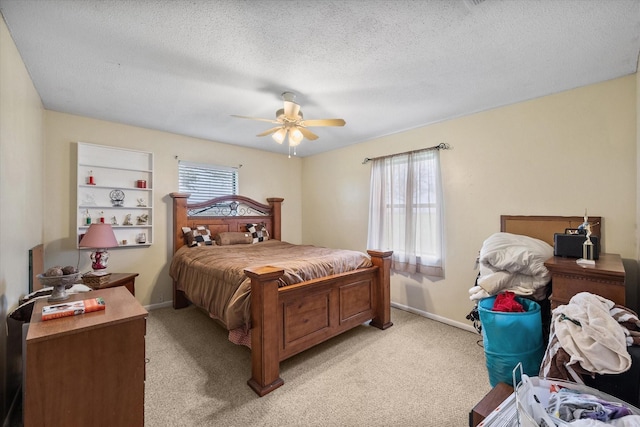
point(179, 221)
point(179, 218)
point(382, 260)
point(265, 352)
point(276, 210)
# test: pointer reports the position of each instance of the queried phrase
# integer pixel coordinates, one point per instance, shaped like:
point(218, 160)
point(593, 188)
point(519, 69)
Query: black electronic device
point(570, 244)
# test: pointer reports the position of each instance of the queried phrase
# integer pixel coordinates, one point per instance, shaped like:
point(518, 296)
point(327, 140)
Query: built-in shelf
point(103, 171)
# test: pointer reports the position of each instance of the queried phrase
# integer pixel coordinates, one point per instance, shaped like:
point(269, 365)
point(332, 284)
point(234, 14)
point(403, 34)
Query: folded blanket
point(512, 262)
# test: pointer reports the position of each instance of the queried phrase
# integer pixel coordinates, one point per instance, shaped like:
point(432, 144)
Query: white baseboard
point(431, 316)
point(422, 313)
point(158, 305)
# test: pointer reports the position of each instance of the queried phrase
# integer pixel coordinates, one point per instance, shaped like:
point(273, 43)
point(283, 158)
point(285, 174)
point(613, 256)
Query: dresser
point(605, 278)
point(87, 369)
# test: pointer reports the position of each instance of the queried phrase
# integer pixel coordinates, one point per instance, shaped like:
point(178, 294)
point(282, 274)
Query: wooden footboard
point(291, 319)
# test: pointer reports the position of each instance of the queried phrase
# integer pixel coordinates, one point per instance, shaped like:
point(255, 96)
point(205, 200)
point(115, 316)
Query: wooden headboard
point(226, 213)
point(544, 227)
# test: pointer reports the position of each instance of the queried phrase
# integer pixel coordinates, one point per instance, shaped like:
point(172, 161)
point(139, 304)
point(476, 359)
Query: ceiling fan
point(291, 122)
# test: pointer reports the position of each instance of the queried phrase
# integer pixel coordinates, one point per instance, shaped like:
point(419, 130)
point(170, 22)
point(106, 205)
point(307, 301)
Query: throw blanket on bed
point(589, 335)
point(212, 277)
point(512, 262)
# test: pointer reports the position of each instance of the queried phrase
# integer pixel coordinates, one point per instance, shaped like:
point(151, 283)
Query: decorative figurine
point(141, 202)
point(127, 220)
point(142, 219)
point(88, 199)
point(114, 221)
point(117, 197)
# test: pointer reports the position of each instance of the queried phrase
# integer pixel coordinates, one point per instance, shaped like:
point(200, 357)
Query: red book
point(72, 308)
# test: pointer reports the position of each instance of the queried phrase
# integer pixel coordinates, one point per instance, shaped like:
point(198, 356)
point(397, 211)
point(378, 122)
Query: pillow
point(258, 232)
point(199, 236)
point(233, 238)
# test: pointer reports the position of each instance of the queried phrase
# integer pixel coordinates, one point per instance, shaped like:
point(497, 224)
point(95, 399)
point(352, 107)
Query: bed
point(286, 315)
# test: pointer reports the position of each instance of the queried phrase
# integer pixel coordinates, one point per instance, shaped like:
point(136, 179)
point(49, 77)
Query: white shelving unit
point(116, 170)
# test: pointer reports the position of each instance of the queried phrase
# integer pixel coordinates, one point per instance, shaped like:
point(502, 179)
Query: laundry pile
point(512, 262)
point(589, 335)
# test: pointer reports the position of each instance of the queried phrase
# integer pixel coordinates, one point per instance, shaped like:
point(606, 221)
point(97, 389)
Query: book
point(72, 308)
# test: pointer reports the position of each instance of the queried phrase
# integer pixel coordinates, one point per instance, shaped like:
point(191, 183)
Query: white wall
point(555, 155)
point(262, 175)
point(21, 178)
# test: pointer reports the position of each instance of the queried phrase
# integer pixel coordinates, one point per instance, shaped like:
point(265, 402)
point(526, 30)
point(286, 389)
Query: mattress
point(212, 277)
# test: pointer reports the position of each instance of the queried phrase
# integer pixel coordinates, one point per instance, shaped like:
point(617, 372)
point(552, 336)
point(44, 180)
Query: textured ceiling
point(383, 66)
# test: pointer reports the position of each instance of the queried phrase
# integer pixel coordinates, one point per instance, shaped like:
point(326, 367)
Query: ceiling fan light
point(295, 137)
point(279, 135)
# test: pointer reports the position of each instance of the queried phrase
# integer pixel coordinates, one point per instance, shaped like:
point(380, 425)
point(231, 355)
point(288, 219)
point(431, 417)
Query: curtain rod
point(441, 146)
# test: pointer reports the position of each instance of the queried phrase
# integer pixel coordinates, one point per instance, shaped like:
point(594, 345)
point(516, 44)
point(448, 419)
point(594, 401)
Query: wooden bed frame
point(288, 320)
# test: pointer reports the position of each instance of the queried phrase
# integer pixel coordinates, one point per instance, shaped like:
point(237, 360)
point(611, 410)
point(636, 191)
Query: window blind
point(205, 182)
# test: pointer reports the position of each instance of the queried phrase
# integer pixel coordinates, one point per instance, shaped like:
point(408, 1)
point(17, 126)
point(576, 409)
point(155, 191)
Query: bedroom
point(547, 143)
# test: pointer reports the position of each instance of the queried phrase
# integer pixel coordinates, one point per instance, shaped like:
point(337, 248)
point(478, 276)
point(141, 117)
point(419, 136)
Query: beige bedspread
point(212, 277)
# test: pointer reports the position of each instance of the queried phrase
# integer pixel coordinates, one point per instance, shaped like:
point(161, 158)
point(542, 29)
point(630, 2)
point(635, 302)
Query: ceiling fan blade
point(307, 133)
point(270, 131)
point(256, 118)
point(291, 110)
point(323, 122)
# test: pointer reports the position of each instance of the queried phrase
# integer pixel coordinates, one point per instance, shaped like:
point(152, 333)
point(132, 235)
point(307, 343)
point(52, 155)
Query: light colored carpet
point(417, 373)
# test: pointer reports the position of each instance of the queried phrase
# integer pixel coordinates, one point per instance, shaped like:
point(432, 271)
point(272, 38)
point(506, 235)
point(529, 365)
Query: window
point(405, 211)
point(205, 182)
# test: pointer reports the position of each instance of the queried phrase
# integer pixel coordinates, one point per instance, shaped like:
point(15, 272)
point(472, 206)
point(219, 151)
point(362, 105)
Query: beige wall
point(21, 177)
point(282, 178)
point(555, 155)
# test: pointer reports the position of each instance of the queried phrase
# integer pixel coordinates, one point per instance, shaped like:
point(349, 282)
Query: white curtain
point(405, 211)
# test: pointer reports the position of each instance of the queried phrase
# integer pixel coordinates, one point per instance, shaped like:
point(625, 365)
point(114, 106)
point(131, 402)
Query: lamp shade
point(280, 135)
point(99, 236)
point(295, 137)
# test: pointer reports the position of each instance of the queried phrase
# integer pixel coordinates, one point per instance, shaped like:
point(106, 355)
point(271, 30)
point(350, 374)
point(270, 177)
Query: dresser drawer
point(605, 278)
point(566, 286)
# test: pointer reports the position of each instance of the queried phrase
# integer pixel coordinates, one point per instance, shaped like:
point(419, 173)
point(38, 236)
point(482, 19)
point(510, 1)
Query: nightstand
point(605, 278)
point(128, 280)
point(87, 369)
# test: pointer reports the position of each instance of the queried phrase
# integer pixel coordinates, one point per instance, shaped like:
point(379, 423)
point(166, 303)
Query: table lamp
point(99, 237)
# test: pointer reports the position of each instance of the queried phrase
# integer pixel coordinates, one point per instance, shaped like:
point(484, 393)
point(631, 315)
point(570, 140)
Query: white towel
point(598, 342)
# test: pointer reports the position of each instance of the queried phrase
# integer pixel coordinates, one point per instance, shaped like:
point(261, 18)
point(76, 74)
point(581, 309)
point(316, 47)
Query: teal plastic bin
point(511, 338)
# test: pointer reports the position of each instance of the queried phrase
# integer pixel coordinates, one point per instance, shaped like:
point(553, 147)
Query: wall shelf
point(111, 168)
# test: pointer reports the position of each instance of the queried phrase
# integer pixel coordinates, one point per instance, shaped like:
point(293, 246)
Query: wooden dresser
point(87, 370)
point(605, 278)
